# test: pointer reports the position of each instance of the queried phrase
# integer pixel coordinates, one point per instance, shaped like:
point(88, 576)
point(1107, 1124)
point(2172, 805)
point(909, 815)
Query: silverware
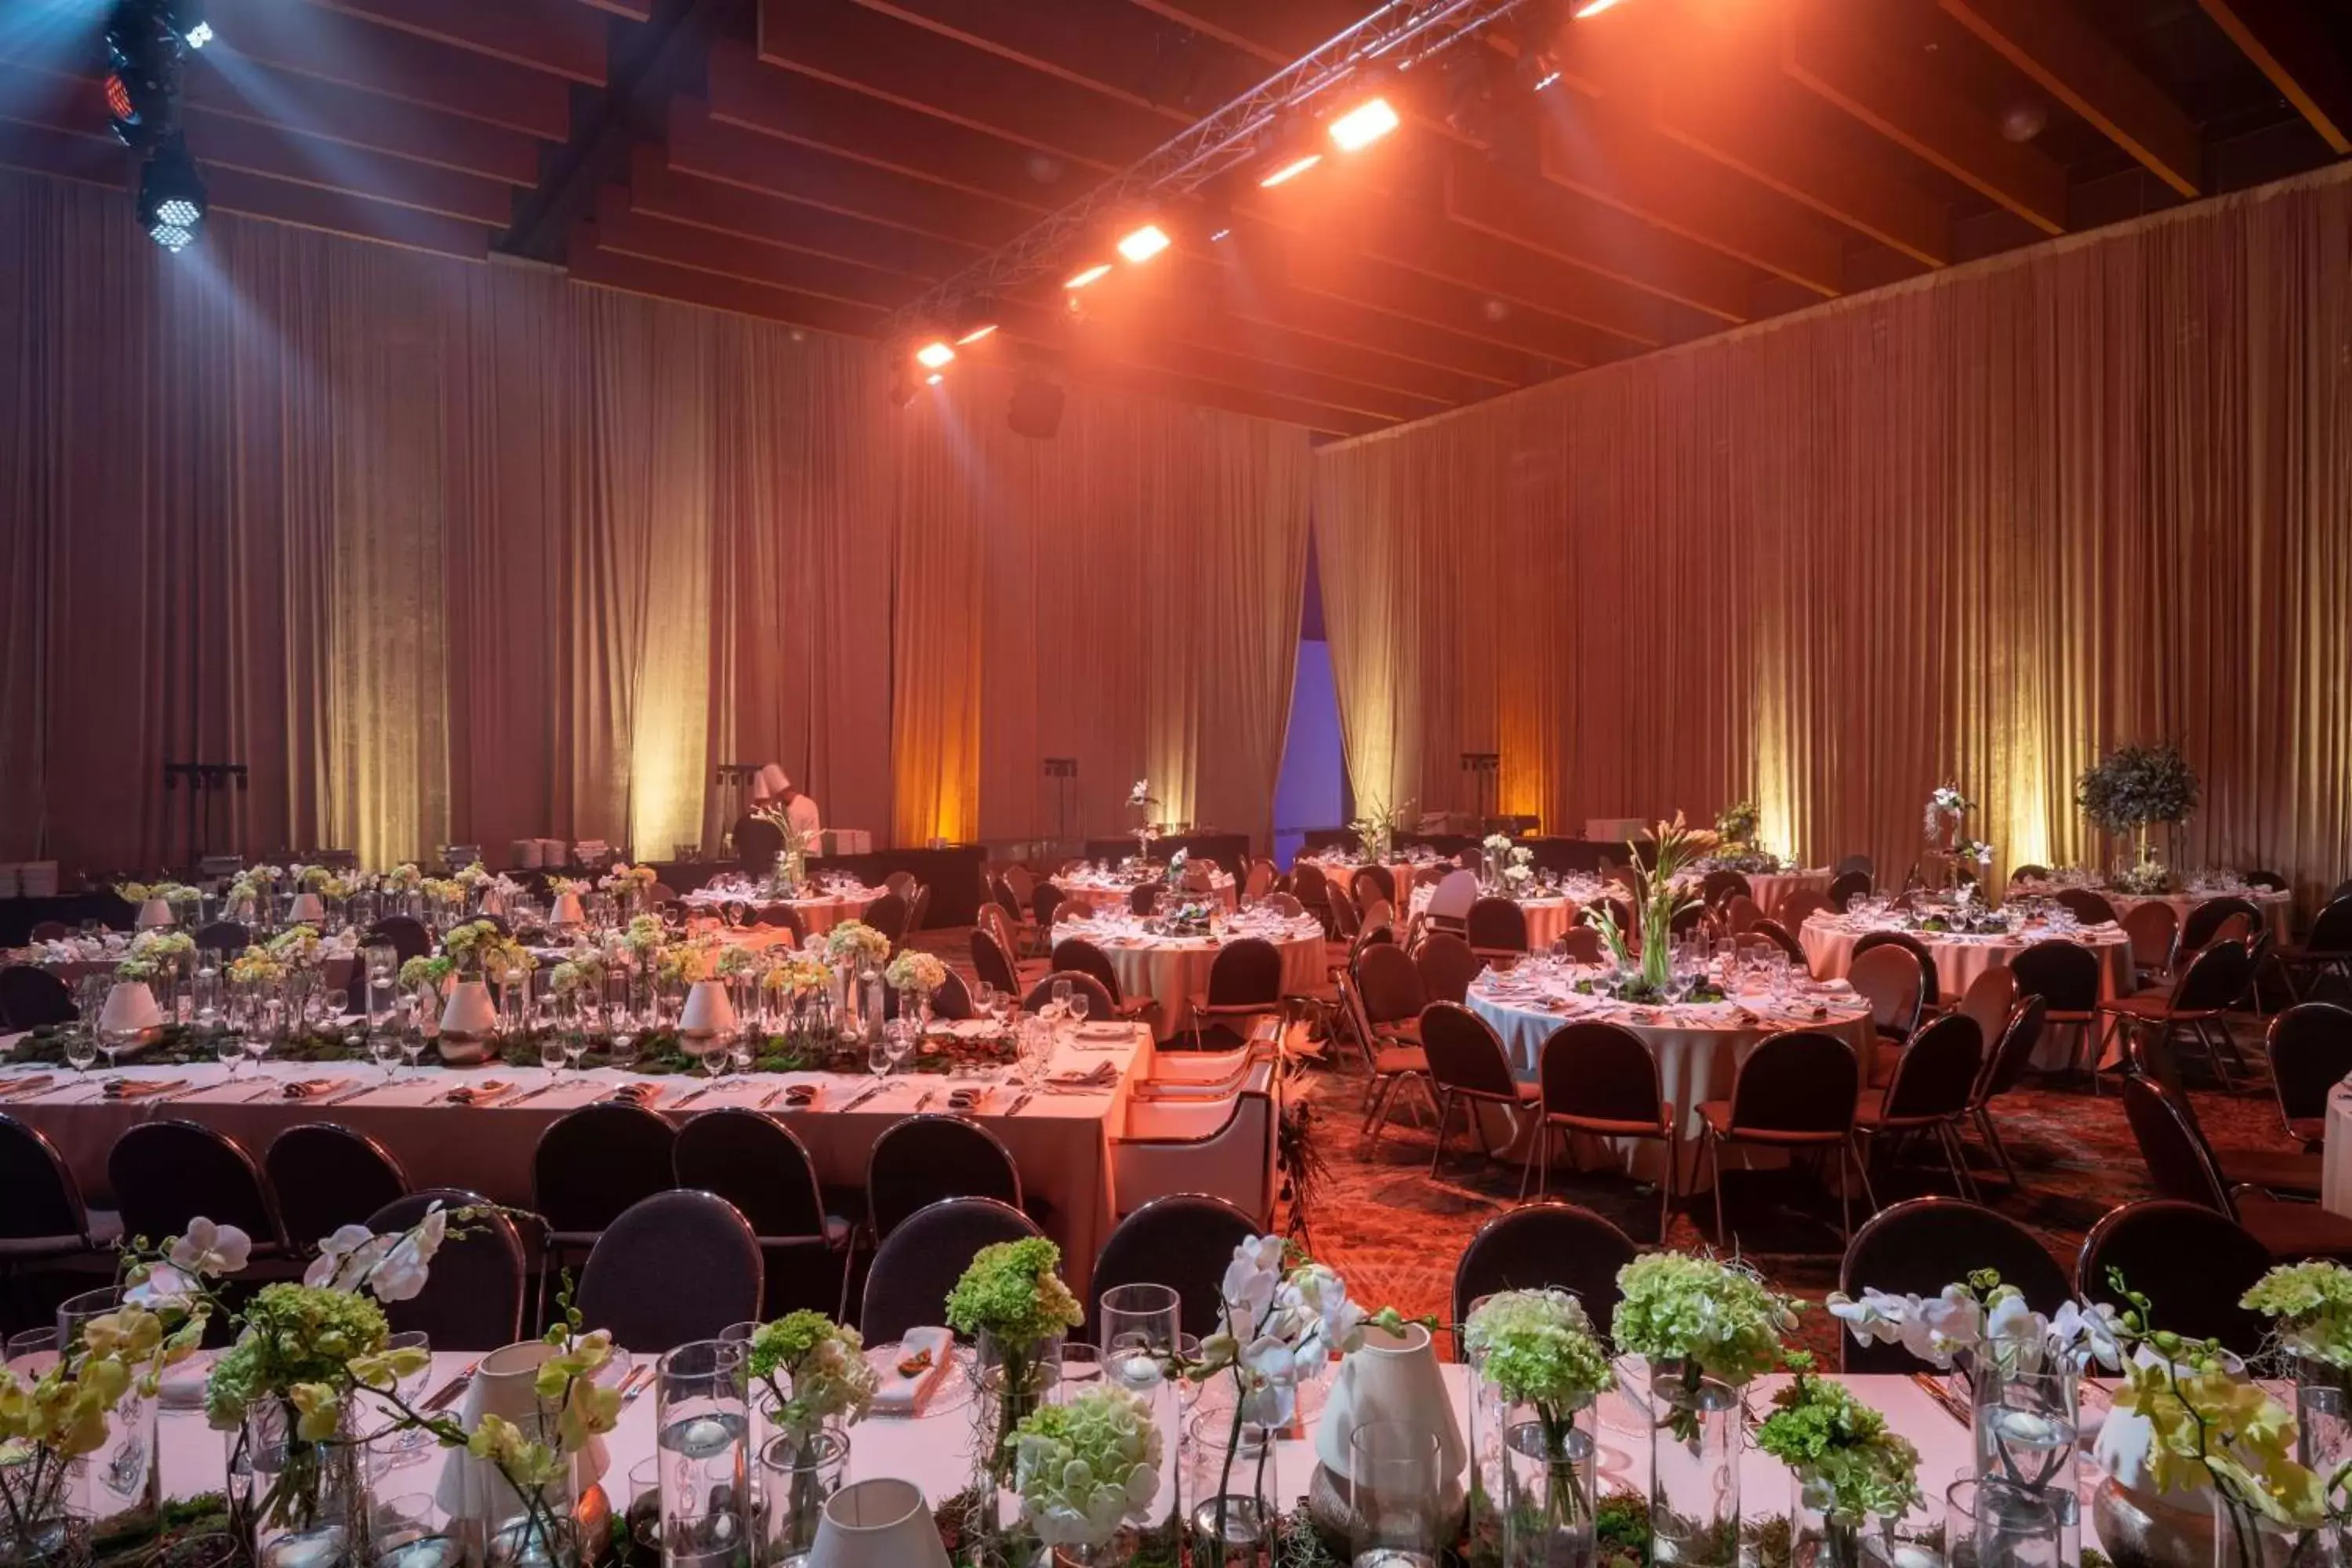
point(640, 1378)
point(344, 1095)
point(1019, 1100)
point(269, 1087)
point(1945, 1399)
point(773, 1096)
point(32, 1085)
point(534, 1093)
point(185, 1090)
point(924, 1103)
point(690, 1096)
point(448, 1393)
point(861, 1098)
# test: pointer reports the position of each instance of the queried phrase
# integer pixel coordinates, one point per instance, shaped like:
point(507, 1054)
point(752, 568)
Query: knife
point(861, 1099)
point(534, 1093)
point(448, 1394)
point(27, 1085)
point(344, 1095)
point(1945, 1399)
point(1018, 1101)
point(640, 1378)
point(690, 1096)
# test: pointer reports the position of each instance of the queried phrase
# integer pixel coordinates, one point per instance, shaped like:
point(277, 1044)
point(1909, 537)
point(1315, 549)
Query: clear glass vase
point(702, 1432)
point(1546, 1462)
point(2323, 1410)
point(39, 1525)
point(2025, 1430)
point(1012, 1382)
point(1228, 1490)
point(1142, 1325)
point(1695, 1445)
point(296, 1502)
point(119, 1486)
point(798, 1471)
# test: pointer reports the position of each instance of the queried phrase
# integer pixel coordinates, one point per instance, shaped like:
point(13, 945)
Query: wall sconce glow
point(1363, 125)
point(934, 355)
point(1144, 242)
point(1089, 275)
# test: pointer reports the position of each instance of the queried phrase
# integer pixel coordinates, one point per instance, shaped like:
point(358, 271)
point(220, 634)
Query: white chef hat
point(771, 783)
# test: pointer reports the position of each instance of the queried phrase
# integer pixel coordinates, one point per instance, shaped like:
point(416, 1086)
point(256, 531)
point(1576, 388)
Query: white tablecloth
point(1341, 875)
point(1698, 1046)
point(2336, 1155)
point(1549, 919)
point(1112, 892)
point(819, 913)
point(1773, 890)
point(1174, 971)
point(1829, 947)
point(2278, 909)
point(1061, 1142)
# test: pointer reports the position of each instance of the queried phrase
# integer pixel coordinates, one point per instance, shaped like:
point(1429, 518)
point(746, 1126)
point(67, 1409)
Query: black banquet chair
point(679, 1265)
point(44, 1223)
point(325, 1178)
point(31, 999)
point(920, 1160)
point(2192, 1264)
point(1183, 1241)
point(476, 1287)
point(403, 935)
point(1918, 1246)
point(2310, 1048)
point(919, 1262)
point(759, 1164)
point(2182, 1165)
point(592, 1165)
point(165, 1173)
point(1545, 1246)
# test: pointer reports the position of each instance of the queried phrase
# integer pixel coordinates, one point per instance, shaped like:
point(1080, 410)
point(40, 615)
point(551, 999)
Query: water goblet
point(1061, 995)
point(384, 1049)
point(1079, 1005)
point(877, 1057)
point(257, 1044)
point(81, 1050)
point(575, 1046)
point(550, 1055)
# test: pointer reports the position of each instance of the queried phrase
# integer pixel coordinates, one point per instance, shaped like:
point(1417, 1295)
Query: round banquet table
point(818, 912)
point(1829, 941)
point(1698, 1045)
point(1173, 971)
point(2277, 908)
point(1099, 893)
point(1549, 918)
point(1341, 874)
point(1773, 890)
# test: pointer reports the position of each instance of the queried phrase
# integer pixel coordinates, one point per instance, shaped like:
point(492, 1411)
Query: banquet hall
point(1543, 783)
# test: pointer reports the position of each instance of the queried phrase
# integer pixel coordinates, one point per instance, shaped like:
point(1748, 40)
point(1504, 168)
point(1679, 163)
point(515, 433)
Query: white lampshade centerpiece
point(879, 1523)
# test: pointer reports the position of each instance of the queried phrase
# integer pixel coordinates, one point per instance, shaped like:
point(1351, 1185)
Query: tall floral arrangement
point(2133, 787)
point(1657, 902)
point(1702, 1317)
point(921, 973)
point(1377, 826)
point(857, 944)
point(1986, 1323)
point(1538, 1347)
point(2311, 1304)
point(1014, 1300)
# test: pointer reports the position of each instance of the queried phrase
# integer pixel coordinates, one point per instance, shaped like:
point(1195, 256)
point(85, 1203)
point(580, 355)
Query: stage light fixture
point(1085, 276)
point(986, 330)
point(934, 379)
point(1364, 124)
point(1590, 8)
point(172, 199)
point(1143, 242)
point(935, 355)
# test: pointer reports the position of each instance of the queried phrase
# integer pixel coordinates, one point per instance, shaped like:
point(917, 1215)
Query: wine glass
point(1079, 1005)
point(877, 1057)
point(408, 1444)
point(1061, 993)
point(900, 1040)
point(81, 1050)
point(257, 1044)
point(229, 1051)
point(575, 1046)
point(384, 1049)
point(550, 1055)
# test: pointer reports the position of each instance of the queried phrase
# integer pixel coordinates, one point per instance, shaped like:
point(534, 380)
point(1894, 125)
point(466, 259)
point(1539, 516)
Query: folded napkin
point(970, 1098)
point(310, 1088)
point(1112, 1030)
point(638, 1094)
point(799, 1097)
point(141, 1088)
point(922, 1360)
point(28, 1085)
point(1102, 1075)
point(475, 1093)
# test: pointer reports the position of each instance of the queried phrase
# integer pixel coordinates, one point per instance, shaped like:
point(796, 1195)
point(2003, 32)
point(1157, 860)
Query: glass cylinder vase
point(1013, 1381)
point(798, 1471)
point(1228, 1490)
point(702, 1426)
point(2025, 1428)
point(1992, 1524)
point(120, 1485)
point(295, 1501)
point(1546, 1461)
point(2323, 1410)
point(1695, 1444)
point(1140, 1327)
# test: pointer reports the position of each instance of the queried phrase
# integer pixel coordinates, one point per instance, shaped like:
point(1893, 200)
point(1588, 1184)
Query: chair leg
point(1715, 1166)
point(1377, 1096)
point(1869, 1194)
point(1673, 1179)
point(1991, 1130)
point(1951, 1138)
point(1444, 1131)
point(1847, 1151)
point(1527, 1165)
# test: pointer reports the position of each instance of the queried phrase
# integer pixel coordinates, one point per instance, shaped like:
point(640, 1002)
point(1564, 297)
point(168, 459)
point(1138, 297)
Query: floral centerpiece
point(1851, 1468)
point(1140, 800)
point(163, 892)
point(857, 944)
point(2132, 788)
point(1946, 809)
point(1176, 863)
point(1656, 904)
point(1087, 1467)
point(1012, 1303)
point(1376, 829)
point(1735, 823)
point(919, 974)
point(2311, 1303)
point(814, 1378)
point(156, 955)
point(1982, 1323)
point(1538, 1351)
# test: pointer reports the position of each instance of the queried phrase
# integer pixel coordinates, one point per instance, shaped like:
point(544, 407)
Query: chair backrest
point(920, 1160)
point(1100, 1005)
point(991, 963)
point(757, 1164)
point(1930, 992)
point(1800, 1081)
point(2214, 979)
point(1887, 977)
point(2204, 923)
point(1019, 882)
point(2028, 872)
point(1740, 914)
point(1497, 925)
point(1465, 1053)
point(1308, 885)
point(595, 1163)
point(1602, 1072)
point(1846, 887)
point(1247, 973)
point(474, 1293)
point(403, 935)
point(1989, 999)
point(1778, 934)
point(223, 936)
point(1077, 954)
point(1447, 966)
point(1345, 922)
point(1801, 906)
point(1389, 982)
point(2152, 926)
point(2013, 1050)
point(888, 914)
point(1546, 1246)
point(2192, 1264)
point(1284, 904)
point(1937, 1069)
point(2310, 1048)
point(901, 883)
point(50, 931)
point(165, 1173)
point(1452, 898)
point(1372, 882)
point(1918, 1246)
point(2180, 1161)
point(918, 909)
point(30, 998)
point(1045, 899)
point(325, 1176)
point(672, 1269)
point(2331, 930)
point(758, 842)
point(1183, 1241)
point(1852, 865)
point(44, 1201)
point(1583, 944)
point(1261, 878)
point(2064, 975)
point(1716, 886)
point(920, 1261)
point(1143, 898)
point(782, 917)
point(2090, 908)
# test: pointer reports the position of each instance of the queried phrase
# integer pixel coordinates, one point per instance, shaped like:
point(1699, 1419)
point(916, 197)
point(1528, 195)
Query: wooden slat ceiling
point(1694, 166)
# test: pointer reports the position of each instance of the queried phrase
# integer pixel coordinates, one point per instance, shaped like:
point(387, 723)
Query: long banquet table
point(1060, 1140)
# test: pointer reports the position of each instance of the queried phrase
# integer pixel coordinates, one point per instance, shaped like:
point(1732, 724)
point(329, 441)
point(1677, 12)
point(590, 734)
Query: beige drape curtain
point(454, 552)
point(1973, 529)
point(1126, 595)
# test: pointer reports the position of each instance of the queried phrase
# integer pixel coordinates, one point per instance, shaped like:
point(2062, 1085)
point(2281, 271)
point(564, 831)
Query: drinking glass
point(550, 1055)
point(1080, 1006)
point(1061, 995)
point(411, 1389)
point(82, 1049)
point(877, 1057)
point(384, 1049)
point(899, 1039)
point(575, 1046)
point(1392, 1496)
point(1140, 1328)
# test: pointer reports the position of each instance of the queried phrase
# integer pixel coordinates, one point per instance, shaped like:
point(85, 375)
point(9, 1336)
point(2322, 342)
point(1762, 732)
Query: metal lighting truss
point(1399, 34)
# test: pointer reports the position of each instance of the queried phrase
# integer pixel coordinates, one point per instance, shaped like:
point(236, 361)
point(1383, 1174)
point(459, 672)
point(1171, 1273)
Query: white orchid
point(161, 1286)
point(209, 1249)
point(390, 1266)
point(1998, 1325)
point(345, 1257)
point(401, 1274)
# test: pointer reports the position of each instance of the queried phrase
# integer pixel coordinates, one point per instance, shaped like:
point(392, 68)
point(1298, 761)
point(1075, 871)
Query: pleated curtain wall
point(455, 552)
point(1972, 529)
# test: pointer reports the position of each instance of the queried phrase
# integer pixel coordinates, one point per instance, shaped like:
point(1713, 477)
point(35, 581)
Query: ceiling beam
point(1338, 320)
point(336, 113)
point(554, 36)
point(1919, 113)
point(1276, 34)
point(1571, 227)
point(330, 47)
point(626, 232)
point(2285, 40)
point(2068, 59)
point(657, 190)
point(1383, 285)
point(1148, 62)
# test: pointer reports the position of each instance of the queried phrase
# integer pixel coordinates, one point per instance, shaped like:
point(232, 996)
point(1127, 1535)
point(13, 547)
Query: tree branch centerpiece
point(2127, 791)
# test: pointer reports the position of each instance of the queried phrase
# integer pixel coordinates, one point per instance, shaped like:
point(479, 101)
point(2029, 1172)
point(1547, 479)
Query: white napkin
point(902, 1393)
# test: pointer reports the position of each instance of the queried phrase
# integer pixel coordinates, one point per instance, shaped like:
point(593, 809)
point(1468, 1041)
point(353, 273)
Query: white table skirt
point(1342, 879)
point(2336, 1155)
point(1096, 896)
point(816, 915)
point(1174, 972)
point(1829, 949)
point(1773, 890)
point(2278, 909)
